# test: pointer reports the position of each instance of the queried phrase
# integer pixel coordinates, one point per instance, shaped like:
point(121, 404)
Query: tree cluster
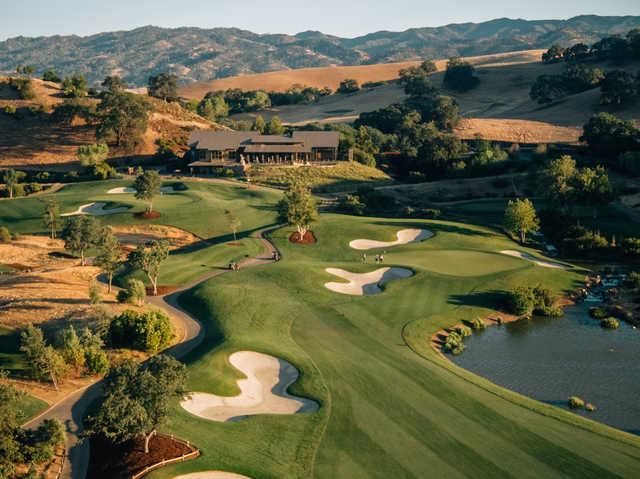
point(145, 331)
point(23, 446)
point(460, 75)
point(618, 49)
point(137, 399)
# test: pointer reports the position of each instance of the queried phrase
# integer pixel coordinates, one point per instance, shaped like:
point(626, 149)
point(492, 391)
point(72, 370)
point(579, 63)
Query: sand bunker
point(533, 259)
point(365, 284)
point(264, 391)
point(404, 237)
point(95, 209)
point(212, 475)
point(126, 190)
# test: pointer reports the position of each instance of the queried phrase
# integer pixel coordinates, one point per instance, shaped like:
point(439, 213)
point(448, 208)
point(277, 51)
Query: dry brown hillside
point(332, 76)
point(499, 108)
point(32, 140)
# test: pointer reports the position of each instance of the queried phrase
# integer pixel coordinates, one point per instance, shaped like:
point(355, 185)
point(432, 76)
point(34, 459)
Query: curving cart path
point(71, 409)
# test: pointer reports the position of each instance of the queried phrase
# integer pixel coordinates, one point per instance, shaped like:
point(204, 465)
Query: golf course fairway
point(390, 406)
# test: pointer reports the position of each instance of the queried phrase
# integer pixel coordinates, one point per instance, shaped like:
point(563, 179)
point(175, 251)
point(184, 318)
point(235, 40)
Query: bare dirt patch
point(147, 215)
point(134, 235)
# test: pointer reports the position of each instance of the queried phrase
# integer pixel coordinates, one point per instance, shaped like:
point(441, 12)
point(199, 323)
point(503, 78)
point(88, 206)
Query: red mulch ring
point(147, 215)
point(161, 290)
point(120, 461)
point(309, 238)
point(234, 244)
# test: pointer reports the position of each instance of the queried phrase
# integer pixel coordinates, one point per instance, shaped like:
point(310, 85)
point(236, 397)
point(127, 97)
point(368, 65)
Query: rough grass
point(346, 175)
point(390, 406)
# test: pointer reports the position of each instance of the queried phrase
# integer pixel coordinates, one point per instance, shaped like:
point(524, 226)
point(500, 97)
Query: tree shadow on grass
point(484, 299)
point(435, 228)
point(206, 243)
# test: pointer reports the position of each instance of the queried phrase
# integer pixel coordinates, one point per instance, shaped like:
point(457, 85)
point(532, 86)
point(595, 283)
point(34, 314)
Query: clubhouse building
point(216, 149)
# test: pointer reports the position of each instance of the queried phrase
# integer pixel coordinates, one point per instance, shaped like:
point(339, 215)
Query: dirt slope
point(499, 108)
point(32, 140)
point(332, 76)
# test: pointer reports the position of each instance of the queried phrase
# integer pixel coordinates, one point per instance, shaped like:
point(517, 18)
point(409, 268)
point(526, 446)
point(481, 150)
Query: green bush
point(351, 204)
point(453, 344)
point(598, 312)
point(95, 293)
point(477, 324)
point(576, 403)
point(462, 331)
point(10, 109)
point(634, 279)
point(134, 292)
point(520, 301)
point(144, 331)
point(610, 323)
point(5, 235)
point(96, 361)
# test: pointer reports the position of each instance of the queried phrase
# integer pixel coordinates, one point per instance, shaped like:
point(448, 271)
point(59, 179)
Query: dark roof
point(318, 139)
point(274, 140)
point(277, 148)
point(220, 140)
point(233, 140)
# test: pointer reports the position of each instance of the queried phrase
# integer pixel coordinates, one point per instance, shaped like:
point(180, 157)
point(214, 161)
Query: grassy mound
point(341, 176)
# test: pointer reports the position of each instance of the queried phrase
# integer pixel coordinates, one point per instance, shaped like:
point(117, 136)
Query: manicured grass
point(610, 220)
point(30, 406)
point(390, 406)
point(344, 176)
point(200, 210)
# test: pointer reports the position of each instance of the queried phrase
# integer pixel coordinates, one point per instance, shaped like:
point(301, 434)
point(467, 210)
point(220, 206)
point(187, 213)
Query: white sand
point(365, 284)
point(264, 391)
point(212, 475)
point(404, 237)
point(95, 209)
point(127, 190)
point(533, 259)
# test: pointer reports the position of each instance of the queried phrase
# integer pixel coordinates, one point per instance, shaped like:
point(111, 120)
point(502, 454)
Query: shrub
point(634, 279)
point(145, 331)
point(597, 312)
point(133, 293)
point(610, 323)
point(520, 301)
point(95, 293)
point(30, 188)
point(96, 361)
point(576, 403)
point(179, 186)
point(5, 235)
point(477, 324)
point(590, 407)
point(350, 204)
point(453, 344)
point(462, 331)
point(10, 109)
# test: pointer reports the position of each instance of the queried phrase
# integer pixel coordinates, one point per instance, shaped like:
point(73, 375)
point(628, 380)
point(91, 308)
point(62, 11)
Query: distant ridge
point(197, 54)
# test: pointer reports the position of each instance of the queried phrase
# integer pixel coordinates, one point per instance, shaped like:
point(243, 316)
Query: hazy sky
point(339, 17)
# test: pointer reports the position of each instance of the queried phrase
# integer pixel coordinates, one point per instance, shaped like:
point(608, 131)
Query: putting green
point(456, 262)
point(390, 407)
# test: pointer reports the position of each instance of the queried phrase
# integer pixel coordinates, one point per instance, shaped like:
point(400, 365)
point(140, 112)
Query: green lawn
point(200, 210)
point(390, 406)
point(344, 176)
point(611, 220)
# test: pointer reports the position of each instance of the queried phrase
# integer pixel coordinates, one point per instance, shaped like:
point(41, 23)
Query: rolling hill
point(498, 109)
point(202, 54)
point(31, 140)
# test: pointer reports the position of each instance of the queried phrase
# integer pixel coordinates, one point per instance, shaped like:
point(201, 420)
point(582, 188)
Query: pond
point(552, 359)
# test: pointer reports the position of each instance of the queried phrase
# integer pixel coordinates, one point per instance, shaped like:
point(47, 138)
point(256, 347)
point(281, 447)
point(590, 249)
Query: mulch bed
point(147, 215)
point(234, 244)
point(161, 290)
point(309, 238)
point(109, 461)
